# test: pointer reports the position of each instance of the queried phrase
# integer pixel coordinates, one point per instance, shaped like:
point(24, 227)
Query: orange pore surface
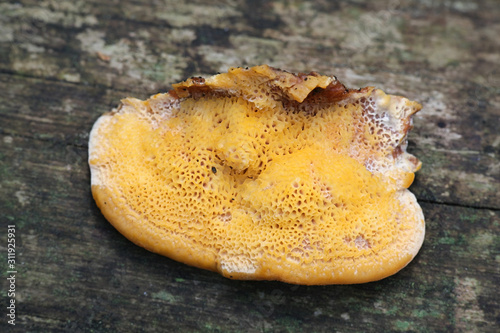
point(243, 174)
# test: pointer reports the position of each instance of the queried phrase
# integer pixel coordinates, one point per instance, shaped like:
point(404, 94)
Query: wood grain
point(64, 63)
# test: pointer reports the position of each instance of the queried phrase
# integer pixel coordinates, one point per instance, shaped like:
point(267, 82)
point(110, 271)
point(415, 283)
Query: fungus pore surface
point(263, 174)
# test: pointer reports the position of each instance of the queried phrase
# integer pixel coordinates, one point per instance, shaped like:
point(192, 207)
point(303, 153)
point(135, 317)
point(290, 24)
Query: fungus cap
point(263, 174)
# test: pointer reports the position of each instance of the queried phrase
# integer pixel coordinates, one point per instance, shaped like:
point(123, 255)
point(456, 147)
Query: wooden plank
point(460, 159)
point(52, 110)
point(94, 278)
point(458, 126)
point(63, 63)
point(153, 44)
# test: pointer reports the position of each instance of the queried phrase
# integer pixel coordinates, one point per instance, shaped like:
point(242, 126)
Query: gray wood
point(64, 63)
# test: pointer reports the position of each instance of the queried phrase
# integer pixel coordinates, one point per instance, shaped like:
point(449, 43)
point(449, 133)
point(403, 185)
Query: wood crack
point(461, 205)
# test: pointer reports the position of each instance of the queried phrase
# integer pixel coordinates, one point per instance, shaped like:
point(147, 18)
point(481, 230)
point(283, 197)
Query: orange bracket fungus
point(262, 174)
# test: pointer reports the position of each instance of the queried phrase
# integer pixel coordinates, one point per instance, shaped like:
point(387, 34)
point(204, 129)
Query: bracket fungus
point(262, 174)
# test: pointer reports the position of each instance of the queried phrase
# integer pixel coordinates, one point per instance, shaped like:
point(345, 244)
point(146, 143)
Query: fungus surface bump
point(263, 174)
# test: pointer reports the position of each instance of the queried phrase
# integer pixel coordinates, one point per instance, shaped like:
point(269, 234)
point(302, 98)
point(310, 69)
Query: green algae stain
point(164, 296)
point(353, 12)
point(447, 241)
point(419, 313)
point(156, 72)
point(392, 310)
point(425, 313)
point(209, 328)
point(402, 325)
point(290, 325)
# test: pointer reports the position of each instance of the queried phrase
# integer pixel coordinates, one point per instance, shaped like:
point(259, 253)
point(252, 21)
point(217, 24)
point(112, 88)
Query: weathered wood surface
point(63, 63)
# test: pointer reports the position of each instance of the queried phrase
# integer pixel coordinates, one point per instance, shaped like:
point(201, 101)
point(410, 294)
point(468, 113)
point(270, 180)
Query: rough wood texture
point(63, 63)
